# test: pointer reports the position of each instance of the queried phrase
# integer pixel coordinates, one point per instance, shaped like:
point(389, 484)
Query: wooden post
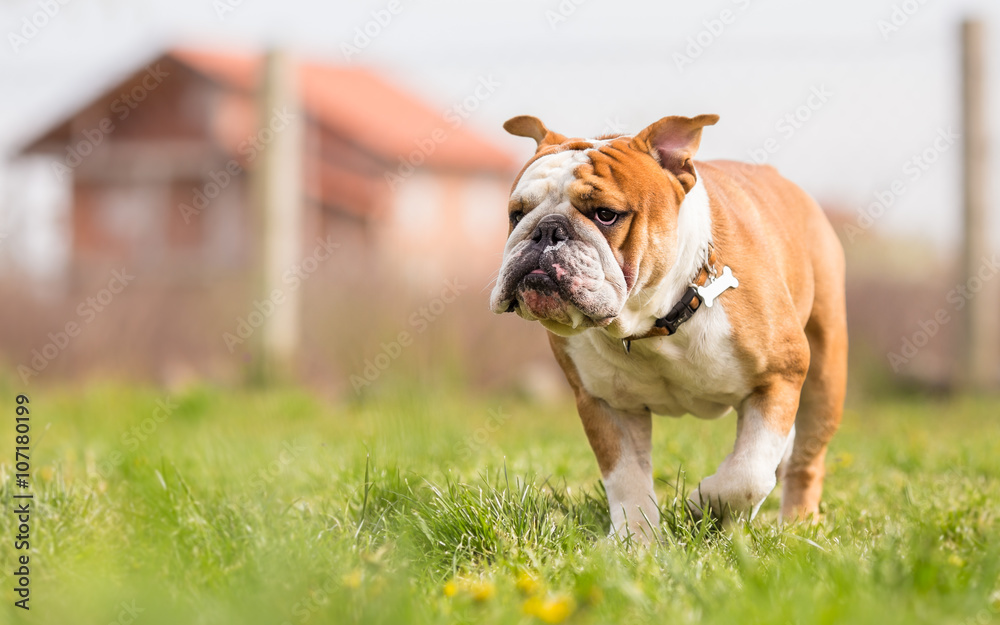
point(279, 218)
point(979, 341)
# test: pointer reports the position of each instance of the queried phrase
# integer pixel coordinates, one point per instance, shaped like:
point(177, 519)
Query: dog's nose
point(550, 230)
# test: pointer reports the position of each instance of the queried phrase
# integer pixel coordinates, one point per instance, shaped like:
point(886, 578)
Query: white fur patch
point(692, 372)
point(631, 500)
point(746, 477)
point(789, 447)
point(544, 182)
point(694, 236)
point(597, 144)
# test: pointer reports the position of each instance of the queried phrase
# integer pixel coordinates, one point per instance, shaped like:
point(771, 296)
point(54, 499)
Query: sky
point(849, 99)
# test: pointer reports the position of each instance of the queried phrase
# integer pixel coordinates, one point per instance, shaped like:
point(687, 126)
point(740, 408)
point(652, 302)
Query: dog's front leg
point(622, 442)
point(763, 432)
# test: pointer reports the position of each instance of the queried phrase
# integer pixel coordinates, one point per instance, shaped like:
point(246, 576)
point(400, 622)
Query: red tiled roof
point(360, 107)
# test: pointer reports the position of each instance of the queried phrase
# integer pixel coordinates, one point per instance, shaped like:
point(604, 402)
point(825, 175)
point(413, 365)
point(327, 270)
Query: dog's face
point(592, 221)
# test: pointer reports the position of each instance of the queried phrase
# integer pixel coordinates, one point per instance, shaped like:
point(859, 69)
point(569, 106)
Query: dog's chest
point(695, 371)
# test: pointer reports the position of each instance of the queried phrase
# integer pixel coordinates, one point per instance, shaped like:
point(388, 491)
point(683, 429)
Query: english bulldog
point(671, 286)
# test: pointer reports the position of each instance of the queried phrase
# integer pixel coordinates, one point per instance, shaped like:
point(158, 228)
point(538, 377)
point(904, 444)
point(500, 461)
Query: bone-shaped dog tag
point(715, 288)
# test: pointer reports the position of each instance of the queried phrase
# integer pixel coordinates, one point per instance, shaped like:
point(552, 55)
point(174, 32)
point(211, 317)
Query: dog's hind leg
point(821, 404)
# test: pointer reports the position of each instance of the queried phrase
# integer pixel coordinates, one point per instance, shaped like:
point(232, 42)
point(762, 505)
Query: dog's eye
point(605, 216)
point(515, 218)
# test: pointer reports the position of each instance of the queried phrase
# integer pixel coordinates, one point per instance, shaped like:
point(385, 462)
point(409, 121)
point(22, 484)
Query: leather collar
point(683, 310)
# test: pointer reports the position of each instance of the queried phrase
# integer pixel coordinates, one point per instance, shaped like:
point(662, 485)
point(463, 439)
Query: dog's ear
point(673, 141)
point(532, 127)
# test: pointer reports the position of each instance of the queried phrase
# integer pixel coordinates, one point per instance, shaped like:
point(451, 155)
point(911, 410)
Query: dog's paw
point(635, 533)
point(729, 494)
point(640, 526)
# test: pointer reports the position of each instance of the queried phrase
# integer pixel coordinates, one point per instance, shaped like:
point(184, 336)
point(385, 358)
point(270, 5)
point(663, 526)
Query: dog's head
point(591, 221)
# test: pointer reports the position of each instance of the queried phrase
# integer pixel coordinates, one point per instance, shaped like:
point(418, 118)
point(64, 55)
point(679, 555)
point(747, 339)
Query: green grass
point(427, 505)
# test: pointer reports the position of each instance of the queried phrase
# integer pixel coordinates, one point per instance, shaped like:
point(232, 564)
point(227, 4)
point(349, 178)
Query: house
point(158, 166)
point(161, 169)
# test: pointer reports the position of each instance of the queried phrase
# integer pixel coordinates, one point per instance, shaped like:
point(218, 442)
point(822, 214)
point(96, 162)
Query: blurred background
point(234, 191)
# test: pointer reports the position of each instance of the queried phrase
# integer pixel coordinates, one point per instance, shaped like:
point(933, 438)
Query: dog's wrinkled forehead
point(547, 177)
point(550, 172)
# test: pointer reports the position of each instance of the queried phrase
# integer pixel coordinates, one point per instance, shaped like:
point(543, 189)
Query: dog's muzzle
point(556, 275)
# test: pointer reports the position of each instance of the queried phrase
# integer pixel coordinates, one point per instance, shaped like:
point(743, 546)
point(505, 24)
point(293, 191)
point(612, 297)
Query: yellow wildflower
point(551, 609)
point(352, 579)
point(528, 583)
point(482, 590)
point(478, 590)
